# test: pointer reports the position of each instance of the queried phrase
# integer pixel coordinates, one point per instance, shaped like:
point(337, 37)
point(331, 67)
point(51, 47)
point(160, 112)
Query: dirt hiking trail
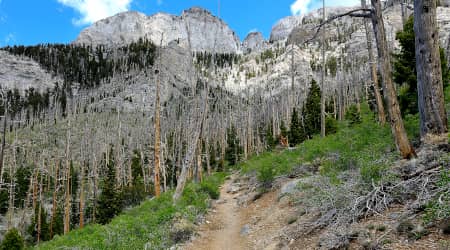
point(222, 230)
point(241, 219)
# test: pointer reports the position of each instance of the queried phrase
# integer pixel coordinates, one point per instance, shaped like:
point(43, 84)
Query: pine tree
point(311, 110)
point(405, 73)
point(12, 241)
point(296, 133)
point(44, 234)
point(110, 202)
point(58, 222)
point(234, 150)
point(353, 115)
point(271, 142)
point(331, 125)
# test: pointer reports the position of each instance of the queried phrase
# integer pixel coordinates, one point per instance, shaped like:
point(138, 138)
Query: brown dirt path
point(223, 225)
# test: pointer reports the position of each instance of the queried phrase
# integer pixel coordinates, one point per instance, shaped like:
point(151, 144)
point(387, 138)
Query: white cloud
point(300, 7)
point(10, 38)
point(94, 10)
point(304, 6)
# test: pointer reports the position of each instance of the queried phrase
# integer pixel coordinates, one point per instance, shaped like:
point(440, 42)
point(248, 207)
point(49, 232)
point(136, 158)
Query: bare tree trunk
point(373, 71)
point(322, 96)
point(207, 150)
point(82, 198)
point(39, 212)
point(398, 129)
point(404, 15)
point(433, 117)
point(55, 192)
point(199, 163)
point(67, 187)
point(2, 152)
point(157, 151)
point(190, 154)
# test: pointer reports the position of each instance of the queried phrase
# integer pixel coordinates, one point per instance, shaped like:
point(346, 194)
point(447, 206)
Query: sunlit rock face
point(196, 29)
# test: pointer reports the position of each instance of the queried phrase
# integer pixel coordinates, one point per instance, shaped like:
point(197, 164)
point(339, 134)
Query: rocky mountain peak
point(196, 29)
point(197, 11)
point(254, 42)
point(284, 27)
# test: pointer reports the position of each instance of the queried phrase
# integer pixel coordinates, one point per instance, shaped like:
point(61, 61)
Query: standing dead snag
point(67, 180)
point(433, 117)
point(322, 96)
point(157, 147)
point(55, 193)
point(373, 71)
point(2, 152)
point(397, 127)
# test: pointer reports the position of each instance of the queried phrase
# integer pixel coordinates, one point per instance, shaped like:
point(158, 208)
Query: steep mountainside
point(22, 73)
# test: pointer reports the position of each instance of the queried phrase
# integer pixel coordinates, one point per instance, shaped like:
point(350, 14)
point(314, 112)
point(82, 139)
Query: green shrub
point(211, 189)
point(12, 241)
point(331, 125)
point(353, 115)
point(371, 173)
point(266, 175)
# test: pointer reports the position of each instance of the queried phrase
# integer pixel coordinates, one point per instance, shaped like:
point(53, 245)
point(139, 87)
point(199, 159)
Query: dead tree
point(82, 197)
point(433, 117)
point(55, 196)
point(67, 199)
point(5, 117)
point(196, 133)
point(322, 96)
point(157, 148)
point(397, 127)
point(373, 72)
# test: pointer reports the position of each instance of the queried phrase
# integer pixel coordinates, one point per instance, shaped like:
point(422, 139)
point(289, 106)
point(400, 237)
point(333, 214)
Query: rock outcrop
point(196, 29)
point(23, 73)
point(284, 27)
point(254, 42)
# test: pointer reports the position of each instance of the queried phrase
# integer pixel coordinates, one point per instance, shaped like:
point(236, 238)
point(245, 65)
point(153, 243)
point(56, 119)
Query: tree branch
point(351, 13)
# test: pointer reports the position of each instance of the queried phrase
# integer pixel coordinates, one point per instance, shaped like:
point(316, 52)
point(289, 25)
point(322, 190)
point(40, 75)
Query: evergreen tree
point(405, 73)
point(296, 133)
point(110, 201)
point(4, 201)
point(12, 241)
point(331, 125)
point(353, 115)
point(58, 222)
point(134, 194)
point(33, 227)
point(234, 150)
point(271, 142)
point(23, 175)
point(74, 182)
point(311, 110)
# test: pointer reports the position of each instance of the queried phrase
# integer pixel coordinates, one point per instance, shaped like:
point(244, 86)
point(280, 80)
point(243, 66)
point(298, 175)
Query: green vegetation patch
point(146, 226)
point(366, 146)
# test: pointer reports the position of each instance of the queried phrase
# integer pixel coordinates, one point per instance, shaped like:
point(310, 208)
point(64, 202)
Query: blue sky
point(30, 22)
